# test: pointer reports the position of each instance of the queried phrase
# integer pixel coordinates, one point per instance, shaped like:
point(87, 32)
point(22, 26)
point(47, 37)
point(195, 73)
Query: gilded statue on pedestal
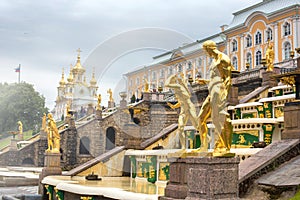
point(214, 105)
point(99, 102)
point(110, 95)
point(146, 87)
point(53, 135)
point(187, 108)
point(270, 57)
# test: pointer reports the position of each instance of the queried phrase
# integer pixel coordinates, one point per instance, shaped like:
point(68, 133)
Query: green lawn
point(6, 141)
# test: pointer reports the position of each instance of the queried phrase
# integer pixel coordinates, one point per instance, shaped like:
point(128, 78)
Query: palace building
point(75, 91)
point(245, 40)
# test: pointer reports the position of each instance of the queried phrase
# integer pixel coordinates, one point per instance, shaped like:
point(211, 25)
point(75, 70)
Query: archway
point(28, 162)
point(110, 138)
point(84, 147)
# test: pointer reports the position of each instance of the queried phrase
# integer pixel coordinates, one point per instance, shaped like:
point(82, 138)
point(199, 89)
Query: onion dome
point(70, 78)
point(62, 81)
point(78, 68)
point(93, 81)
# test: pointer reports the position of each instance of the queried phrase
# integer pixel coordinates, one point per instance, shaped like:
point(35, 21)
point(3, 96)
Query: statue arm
point(177, 105)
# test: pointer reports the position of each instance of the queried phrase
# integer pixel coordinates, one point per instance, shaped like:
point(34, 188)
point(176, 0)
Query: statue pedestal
point(267, 78)
point(111, 104)
point(146, 96)
point(195, 178)
point(98, 114)
point(13, 144)
point(291, 120)
point(51, 167)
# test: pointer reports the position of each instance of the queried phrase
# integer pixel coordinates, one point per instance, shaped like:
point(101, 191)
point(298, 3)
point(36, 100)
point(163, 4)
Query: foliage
point(20, 102)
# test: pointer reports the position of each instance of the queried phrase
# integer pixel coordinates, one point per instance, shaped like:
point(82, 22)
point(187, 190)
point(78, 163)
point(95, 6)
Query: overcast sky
point(43, 36)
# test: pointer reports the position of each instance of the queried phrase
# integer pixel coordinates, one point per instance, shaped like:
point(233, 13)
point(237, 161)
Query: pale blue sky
point(43, 36)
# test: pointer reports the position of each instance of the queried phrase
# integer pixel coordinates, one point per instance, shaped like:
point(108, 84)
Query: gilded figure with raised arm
point(214, 105)
point(187, 108)
point(53, 135)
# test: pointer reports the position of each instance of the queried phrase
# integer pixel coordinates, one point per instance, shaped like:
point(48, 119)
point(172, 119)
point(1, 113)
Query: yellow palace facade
point(245, 40)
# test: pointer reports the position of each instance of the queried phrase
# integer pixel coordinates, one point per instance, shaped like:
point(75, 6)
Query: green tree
point(20, 102)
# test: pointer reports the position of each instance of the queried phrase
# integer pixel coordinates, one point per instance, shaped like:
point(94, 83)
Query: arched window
point(248, 41)
point(234, 63)
point(200, 62)
point(189, 66)
point(153, 75)
point(287, 50)
point(137, 81)
point(110, 138)
point(286, 29)
point(84, 147)
point(269, 34)
point(257, 58)
point(162, 73)
point(258, 38)
point(249, 59)
point(179, 68)
point(170, 70)
point(234, 45)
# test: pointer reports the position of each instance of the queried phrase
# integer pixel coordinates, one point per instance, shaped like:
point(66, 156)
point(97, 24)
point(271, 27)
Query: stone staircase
point(267, 160)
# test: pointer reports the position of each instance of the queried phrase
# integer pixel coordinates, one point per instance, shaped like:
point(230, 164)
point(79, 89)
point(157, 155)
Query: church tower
point(75, 91)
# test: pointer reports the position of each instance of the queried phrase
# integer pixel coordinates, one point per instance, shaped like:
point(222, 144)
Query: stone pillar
point(177, 187)
point(13, 144)
point(291, 121)
point(51, 167)
point(197, 178)
point(43, 145)
point(213, 178)
point(111, 104)
point(98, 114)
point(146, 96)
point(267, 78)
point(233, 96)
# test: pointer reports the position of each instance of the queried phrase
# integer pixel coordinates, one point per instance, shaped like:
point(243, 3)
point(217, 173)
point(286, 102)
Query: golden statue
point(270, 57)
point(187, 108)
point(20, 128)
point(214, 105)
point(146, 88)
point(53, 135)
point(44, 121)
point(99, 102)
point(68, 107)
point(110, 95)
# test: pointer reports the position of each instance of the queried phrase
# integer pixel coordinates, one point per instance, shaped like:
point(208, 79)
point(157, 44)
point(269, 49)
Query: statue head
point(209, 46)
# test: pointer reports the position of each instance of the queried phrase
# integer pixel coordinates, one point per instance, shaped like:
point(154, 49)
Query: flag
point(18, 69)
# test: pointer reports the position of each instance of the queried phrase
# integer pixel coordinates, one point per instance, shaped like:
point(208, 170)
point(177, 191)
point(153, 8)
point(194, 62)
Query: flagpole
point(19, 72)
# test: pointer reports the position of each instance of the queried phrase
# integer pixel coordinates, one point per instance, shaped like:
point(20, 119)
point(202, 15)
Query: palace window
point(200, 62)
point(258, 38)
point(286, 29)
point(137, 81)
point(248, 41)
point(235, 63)
point(153, 75)
point(189, 66)
point(234, 45)
point(170, 70)
point(162, 73)
point(269, 34)
point(287, 50)
point(179, 68)
point(249, 59)
point(257, 58)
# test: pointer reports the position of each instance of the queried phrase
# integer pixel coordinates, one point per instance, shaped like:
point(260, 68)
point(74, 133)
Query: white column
point(295, 32)
point(242, 65)
point(275, 40)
